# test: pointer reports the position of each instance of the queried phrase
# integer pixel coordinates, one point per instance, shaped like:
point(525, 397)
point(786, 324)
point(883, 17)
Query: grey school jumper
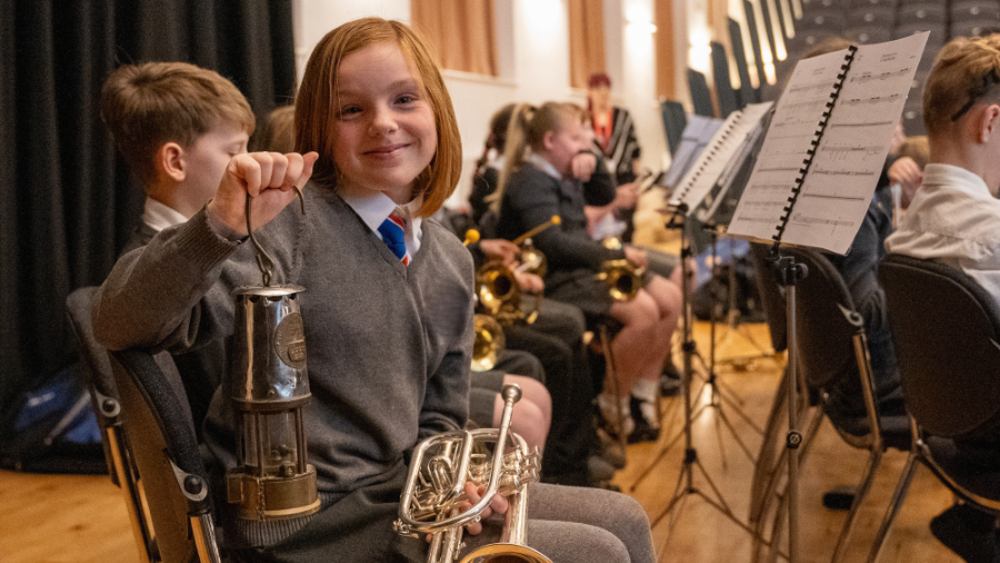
point(388, 345)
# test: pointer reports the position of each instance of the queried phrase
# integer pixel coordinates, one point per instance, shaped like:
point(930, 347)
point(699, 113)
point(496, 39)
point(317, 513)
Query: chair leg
point(898, 496)
point(203, 530)
point(874, 459)
point(131, 489)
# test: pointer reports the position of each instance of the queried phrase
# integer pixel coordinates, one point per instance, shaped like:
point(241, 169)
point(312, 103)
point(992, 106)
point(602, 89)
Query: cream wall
point(534, 64)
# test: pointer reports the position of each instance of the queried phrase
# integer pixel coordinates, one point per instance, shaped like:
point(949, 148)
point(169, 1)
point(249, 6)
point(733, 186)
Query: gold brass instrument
point(624, 280)
point(489, 345)
point(499, 303)
point(497, 290)
point(532, 259)
point(441, 466)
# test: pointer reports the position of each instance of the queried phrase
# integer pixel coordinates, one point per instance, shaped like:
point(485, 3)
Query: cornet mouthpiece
point(511, 392)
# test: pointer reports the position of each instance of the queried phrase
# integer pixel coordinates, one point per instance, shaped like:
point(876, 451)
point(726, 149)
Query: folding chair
point(832, 345)
point(104, 396)
point(162, 440)
point(946, 330)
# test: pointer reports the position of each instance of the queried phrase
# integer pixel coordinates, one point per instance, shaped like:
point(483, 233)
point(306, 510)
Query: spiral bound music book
point(731, 140)
point(696, 135)
point(826, 146)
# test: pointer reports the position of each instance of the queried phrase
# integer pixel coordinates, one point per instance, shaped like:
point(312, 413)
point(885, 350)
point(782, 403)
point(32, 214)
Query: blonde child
point(543, 177)
point(387, 323)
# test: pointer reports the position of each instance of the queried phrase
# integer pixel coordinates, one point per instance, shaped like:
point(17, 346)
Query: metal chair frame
point(923, 350)
point(767, 485)
point(104, 396)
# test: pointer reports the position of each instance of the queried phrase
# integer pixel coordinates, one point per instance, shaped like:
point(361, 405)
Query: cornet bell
point(623, 280)
point(489, 343)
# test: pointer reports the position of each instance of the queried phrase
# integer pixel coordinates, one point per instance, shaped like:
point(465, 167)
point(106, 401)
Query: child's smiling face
point(386, 132)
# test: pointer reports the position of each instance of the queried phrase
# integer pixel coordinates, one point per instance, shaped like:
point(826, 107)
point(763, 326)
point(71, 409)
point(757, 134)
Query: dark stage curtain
point(67, 203)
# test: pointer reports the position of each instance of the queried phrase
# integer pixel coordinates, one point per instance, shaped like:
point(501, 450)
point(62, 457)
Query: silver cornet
point(442, 464)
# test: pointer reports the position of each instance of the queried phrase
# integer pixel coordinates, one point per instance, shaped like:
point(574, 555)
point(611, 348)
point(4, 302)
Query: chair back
point(96, 368)
point(162, 440)
point(824, 331)
point(946, 330)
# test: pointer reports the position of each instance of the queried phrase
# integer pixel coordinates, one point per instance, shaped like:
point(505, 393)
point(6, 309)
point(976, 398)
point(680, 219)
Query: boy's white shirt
point(159, 216)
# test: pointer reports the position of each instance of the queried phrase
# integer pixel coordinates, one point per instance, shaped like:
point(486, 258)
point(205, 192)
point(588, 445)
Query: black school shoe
point(670, 380)
point(968, 532)
point(609, 449)
point(644, 429)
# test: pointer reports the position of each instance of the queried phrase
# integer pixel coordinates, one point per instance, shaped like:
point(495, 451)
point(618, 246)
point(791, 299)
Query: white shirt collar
point(376, 208)
point(956, 176)
point(498, 162)
point(544, 165)
point(159, 216)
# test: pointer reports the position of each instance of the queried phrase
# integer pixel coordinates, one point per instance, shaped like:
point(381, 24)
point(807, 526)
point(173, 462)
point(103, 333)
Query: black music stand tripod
point(720, 392)
point(734, 327)
point(686, 482)
point(789, 272)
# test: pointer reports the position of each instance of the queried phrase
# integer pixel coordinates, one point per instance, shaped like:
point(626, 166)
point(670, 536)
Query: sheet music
point(851, 153)
point(718, 206)
point(697, 133)
point(716, 156)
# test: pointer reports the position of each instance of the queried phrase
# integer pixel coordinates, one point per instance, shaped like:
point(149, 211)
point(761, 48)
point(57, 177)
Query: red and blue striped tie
point(392, 231)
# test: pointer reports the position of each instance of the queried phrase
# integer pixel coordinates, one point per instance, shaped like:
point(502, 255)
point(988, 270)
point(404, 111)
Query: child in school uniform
point(541, 178)
point(387, 322)
point(177, 126)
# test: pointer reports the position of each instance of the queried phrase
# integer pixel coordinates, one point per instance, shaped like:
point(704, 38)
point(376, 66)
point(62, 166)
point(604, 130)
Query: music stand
point(686, 483)
point(734, 325)
point(720, 393)
point(789, 273)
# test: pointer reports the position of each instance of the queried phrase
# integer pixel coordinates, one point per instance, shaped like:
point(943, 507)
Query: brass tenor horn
point(532, 259)
point(441, 466)
point(497, 289)
point(624, 280)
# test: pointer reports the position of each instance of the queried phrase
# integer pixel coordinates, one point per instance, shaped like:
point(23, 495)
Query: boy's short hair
point(316, 104)
point(150, 104)
point(966, 71)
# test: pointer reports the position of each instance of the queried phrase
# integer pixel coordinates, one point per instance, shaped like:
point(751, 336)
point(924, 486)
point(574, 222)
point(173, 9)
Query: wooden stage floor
point(82, 519)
